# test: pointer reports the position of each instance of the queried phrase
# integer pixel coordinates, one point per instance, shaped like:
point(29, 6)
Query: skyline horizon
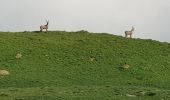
point(123, 35)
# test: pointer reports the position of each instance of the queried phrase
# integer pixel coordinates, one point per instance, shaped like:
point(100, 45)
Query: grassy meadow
point(61, 65)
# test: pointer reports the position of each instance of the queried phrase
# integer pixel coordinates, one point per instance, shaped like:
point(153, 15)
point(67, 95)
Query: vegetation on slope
point(82, 65)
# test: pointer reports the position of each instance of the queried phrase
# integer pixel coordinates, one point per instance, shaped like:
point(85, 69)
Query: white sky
point(151, 18)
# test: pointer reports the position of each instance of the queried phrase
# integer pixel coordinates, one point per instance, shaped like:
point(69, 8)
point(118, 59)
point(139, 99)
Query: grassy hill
point(83, 66)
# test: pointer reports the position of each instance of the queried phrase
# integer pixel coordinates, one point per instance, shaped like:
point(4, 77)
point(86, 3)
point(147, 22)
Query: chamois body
point(129, 33)
point(42, 27)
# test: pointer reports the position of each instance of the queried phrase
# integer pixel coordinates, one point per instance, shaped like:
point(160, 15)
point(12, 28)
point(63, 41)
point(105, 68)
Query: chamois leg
point(40, 29)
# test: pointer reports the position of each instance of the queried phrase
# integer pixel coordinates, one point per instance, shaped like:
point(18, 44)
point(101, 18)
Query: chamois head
point(47, 22)
point(132, 28)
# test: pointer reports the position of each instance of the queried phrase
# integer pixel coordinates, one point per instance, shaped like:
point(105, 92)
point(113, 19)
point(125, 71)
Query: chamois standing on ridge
point(44, 26)
point(129, 32)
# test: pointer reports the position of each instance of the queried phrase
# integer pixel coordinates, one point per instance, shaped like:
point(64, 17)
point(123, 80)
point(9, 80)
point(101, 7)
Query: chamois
point(129, 32)
point(44, 26)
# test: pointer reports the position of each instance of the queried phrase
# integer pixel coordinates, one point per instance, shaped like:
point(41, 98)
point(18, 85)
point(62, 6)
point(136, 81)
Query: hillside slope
point(82, 65)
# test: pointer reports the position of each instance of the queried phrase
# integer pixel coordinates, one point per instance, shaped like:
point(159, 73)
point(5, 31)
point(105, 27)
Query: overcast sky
point(151, 18)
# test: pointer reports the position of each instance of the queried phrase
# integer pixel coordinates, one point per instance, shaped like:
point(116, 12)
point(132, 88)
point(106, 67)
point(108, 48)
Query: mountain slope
point(82, 65)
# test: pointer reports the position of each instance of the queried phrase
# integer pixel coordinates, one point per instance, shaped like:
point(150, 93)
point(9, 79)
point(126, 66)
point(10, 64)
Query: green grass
point(59, 66)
